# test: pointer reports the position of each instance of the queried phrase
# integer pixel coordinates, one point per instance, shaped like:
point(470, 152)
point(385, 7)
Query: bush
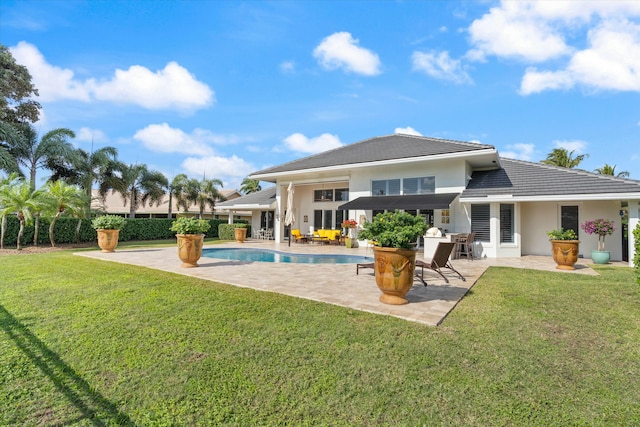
point(226, 230)
point(108, 222)
point(186, 225)
point(636, 258)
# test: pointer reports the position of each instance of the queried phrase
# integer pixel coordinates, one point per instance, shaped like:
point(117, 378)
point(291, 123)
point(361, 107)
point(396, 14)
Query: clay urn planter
point(190, 237)
point(108, 229)
point(565, 248)
point(240, 232)
point(394, 235)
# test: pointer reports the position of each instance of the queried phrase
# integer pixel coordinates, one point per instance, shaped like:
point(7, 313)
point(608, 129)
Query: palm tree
point(138, 185)
point(607, 169)
point(33, 154)
point(5, 184)
point(563, 158)
point(204, 193)
point(8, 137)
point(177, 189)
point(61, 197)
point(19, 199)
point(249, 185)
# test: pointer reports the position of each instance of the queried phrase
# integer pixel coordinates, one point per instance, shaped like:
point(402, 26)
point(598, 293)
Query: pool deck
point(333, 283)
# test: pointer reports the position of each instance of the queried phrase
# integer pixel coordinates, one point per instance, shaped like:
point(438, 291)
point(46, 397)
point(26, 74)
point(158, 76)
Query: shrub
point(186, 225)
point(394, 229)
point(108, 222)
point(562, 234)
point(636, 258)
point(226, 231)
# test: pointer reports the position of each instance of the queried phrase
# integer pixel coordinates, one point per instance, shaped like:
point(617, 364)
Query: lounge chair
point(365, 265)
point(439, 261)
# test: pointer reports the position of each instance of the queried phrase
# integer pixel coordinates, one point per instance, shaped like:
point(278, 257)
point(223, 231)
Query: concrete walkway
point(332, 283)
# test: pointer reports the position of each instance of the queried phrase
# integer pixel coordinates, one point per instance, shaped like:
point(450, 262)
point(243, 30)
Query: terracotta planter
point(565, 253)
point(394, 269)
point(190, 249)
point(107, 239)
point(240, 234)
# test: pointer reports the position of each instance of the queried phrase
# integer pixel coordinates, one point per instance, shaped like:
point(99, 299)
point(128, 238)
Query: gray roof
point(525, 179)
point(261, 198)
point(390, 147)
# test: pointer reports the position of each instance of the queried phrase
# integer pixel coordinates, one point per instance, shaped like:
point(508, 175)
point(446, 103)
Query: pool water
point(266, 255)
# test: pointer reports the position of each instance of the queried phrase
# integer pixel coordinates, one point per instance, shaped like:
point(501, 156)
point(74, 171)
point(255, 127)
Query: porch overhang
point(413, 201)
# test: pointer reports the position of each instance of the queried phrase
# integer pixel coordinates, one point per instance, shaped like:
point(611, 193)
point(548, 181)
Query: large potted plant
point(564, 248)
point(351, 238)
point(603, 228)
point(190, 236)
point(108, 228)
point(394, 235)
point(240, 231)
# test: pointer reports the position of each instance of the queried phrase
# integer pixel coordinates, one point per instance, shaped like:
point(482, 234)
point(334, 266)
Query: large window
point(506, 224)
point(342, 194)
point(481, 222)
point(386, 187)
point(323, 219)
point(423, 185)
point(323, 195)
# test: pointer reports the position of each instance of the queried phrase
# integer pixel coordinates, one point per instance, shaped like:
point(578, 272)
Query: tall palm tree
point(249, 185)
point(607, 169)
point(138, 185)
point(33, 154)
point(5, 184)
point(204, 193)
point(563, 158)
point(61, 197)
point(19, 199)
point(177, 189)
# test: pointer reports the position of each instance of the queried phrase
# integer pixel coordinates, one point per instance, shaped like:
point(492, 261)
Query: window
point(317, 219)
point(481, 222)
point(445, 216)
point(328, 220)
point(323, 195)
point(342, 194)
point(423, 185)
point(386, 187)
point(506, 224)
point(340, 216)
point(569, 218)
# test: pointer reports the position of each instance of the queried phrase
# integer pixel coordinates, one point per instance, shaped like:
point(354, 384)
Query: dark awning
point(390, 203)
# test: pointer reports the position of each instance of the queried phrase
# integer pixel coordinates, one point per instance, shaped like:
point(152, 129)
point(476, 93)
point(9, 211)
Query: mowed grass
point(85, 342)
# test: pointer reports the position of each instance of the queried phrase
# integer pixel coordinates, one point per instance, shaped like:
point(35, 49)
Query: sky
point(221, 89)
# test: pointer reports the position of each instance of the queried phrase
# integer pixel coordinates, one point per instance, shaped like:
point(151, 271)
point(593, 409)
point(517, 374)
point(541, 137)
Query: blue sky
point(226, 88)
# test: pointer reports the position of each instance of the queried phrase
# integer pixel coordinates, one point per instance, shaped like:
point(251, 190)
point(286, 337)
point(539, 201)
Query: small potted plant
point(190, 236)
point(108, 228)
point(603, 228)
point(394, 236)
point(350, 240)
point(564, 248)
point(240, 230)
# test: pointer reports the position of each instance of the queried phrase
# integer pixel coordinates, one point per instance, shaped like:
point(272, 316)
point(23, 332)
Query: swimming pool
point(267, 255)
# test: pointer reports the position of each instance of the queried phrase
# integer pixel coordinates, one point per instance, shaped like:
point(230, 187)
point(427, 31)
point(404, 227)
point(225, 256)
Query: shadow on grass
point(91, 404)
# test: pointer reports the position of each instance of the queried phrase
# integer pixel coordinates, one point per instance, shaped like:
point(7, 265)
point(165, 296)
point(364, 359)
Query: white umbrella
point(289, 218)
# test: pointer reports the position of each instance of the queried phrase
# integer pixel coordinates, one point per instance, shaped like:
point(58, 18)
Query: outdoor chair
point(365, 265)
point(439, 261)
point(465, 246)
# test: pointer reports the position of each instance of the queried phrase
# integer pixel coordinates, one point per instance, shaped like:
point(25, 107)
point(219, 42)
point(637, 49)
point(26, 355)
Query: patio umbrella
point(289, 218)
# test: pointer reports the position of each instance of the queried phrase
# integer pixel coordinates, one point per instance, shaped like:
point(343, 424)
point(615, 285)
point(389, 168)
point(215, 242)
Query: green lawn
point(84, 342)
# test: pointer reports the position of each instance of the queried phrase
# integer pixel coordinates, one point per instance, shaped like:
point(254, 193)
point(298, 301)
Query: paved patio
point(333, 283)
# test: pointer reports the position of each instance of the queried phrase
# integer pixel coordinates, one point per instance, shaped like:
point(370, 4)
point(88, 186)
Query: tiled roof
point(264, 197)
point(525, 179)
point(381, 148)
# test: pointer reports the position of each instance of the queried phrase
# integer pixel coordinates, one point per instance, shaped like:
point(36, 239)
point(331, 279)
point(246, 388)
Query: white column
point(634, 219)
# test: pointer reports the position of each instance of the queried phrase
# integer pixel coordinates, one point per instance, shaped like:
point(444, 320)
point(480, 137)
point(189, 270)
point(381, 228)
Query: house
point(113, 204)
point(457, 186)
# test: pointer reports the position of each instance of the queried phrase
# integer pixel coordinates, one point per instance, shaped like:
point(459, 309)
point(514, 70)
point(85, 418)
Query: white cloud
point(173, 87)
point(408, 131)
point(577, 145)
point(288, 67)
point(341, 50)
point(231, 170)
point(300, 143)
point(163, 138)
point(440, 66)
point(519, 151)
point(91, 135)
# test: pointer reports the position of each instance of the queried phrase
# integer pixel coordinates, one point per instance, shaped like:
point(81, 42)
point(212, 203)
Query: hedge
point(65, 230)
point(226, 230)
point(636, 258)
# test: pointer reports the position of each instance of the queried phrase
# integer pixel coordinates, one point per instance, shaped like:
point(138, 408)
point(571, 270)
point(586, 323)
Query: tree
point(16, 90)
point(5, 185)
point(60, 197)
point(8, 136)
point(19, 199)
point(563, 158)
point(33, 154)
point(177, 189)
point(249, 186)
point(204, 193)
point(138, 185)
point(607, 169)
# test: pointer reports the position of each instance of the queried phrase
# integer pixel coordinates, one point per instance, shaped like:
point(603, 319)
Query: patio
point(333, 283)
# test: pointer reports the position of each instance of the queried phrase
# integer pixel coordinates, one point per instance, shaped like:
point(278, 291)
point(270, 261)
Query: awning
point(390, 203)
